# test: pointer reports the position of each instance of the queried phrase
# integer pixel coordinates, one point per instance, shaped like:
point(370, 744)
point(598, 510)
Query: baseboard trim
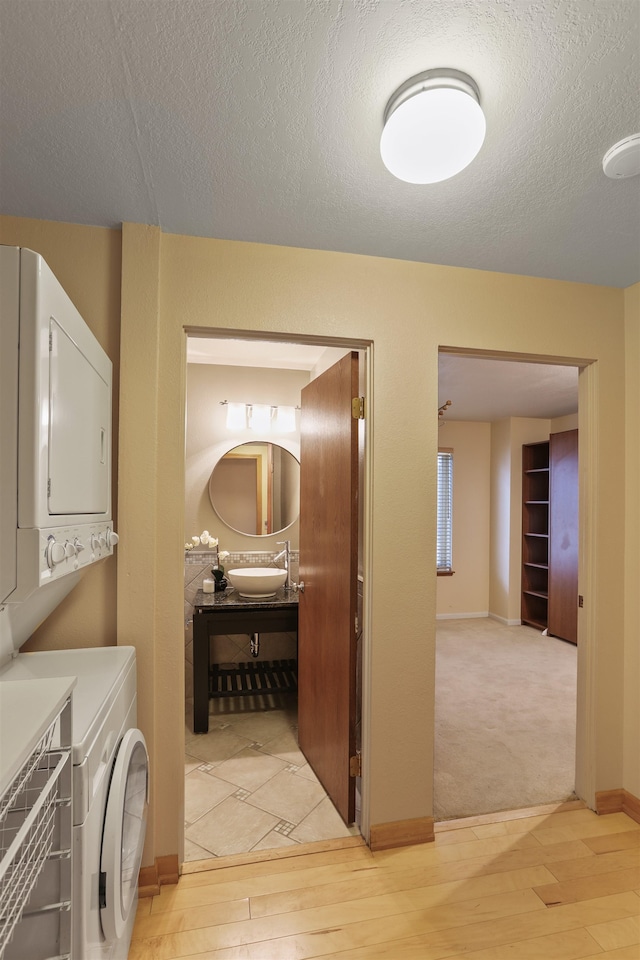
point(507, 623)
point(462, 616)
point(618, 801)
point(164, 870)
point(401, 833)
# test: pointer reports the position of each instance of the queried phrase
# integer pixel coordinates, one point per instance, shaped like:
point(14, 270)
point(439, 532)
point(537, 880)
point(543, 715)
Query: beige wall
point(209, 284)
point(86, 261)
point(169, 282)
point(631, 777)
point(487, 514)
point(466, 593)
point(208, 439)
point(559, 424)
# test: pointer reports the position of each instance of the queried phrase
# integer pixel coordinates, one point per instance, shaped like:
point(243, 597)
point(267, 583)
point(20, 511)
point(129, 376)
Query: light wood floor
point(550, 886)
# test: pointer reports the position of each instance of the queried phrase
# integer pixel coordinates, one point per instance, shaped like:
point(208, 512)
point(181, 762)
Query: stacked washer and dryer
point(55, 520)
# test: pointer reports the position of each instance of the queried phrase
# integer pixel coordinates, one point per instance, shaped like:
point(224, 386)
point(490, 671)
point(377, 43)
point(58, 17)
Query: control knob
point(55, 552)
point(69, 549)
point(79, 545)
point(112, 538)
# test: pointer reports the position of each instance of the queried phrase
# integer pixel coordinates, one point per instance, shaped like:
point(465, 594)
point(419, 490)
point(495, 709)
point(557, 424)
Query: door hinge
point(357, 408)
point(50, 341)
point(49, 487)
point(355, 765)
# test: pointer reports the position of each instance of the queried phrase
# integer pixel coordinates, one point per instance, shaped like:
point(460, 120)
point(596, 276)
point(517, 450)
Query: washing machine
point(109, 787)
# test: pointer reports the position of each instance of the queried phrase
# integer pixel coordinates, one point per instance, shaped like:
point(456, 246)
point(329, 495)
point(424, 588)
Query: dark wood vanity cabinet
point(218, 614)
point(550, 535)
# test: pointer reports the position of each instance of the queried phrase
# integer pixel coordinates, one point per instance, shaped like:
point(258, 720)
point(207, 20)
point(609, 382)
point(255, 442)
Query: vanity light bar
point(259, 416)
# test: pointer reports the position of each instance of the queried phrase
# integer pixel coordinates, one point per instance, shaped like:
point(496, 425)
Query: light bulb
point(236, 416)
point(286, 419)
point(260, 417)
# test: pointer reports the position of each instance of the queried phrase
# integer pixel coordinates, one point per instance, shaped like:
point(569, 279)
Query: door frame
point(365, 348)
point(588, 394)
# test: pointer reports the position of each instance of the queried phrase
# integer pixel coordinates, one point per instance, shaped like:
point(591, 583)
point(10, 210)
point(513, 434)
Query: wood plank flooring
point(546, 884)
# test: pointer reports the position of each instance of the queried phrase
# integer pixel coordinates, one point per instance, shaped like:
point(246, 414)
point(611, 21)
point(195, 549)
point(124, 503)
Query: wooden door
point(329, 568)
point(563, 535)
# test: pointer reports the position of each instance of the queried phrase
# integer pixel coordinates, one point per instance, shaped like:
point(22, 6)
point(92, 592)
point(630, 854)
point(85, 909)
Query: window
point(445, 503)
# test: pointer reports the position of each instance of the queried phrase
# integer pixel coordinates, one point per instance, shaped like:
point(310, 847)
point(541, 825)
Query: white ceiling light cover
point(623, 159)
point(434, 127)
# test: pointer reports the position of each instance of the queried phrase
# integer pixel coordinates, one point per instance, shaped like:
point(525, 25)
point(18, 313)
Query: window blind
point(445, 504)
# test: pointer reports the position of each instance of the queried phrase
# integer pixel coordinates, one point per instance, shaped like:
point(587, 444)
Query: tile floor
point(248, 786)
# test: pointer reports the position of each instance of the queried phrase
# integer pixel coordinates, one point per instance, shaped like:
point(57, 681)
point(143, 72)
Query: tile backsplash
point(246, 558)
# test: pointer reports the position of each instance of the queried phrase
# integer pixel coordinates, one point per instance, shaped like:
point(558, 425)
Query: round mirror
point(255, 488)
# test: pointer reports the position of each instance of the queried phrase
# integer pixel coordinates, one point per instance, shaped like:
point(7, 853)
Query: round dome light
point(433, 127)
point(623, 159)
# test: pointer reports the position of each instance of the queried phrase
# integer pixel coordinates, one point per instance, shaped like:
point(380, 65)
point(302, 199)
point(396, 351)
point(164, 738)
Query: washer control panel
point(64, 549)
point(51, 553)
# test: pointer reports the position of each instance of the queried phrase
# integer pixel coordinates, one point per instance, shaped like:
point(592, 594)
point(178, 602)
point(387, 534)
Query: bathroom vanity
point(218, 614)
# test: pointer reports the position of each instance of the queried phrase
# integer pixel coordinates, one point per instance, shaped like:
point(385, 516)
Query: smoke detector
point(623, 159)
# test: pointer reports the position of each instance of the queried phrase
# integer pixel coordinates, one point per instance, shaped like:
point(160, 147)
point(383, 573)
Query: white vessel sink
point(257, 582)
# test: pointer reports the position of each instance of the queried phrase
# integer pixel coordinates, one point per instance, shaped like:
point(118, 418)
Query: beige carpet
point(505, 718)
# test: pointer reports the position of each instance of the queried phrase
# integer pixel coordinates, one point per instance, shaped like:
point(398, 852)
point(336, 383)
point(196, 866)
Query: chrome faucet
point(286, 556)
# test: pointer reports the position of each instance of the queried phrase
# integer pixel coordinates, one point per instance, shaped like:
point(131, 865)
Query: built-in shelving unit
point(535, 534)
point(550, 535)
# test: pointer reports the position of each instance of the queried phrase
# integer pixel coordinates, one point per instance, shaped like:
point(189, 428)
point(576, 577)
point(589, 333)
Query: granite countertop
point(230, 599)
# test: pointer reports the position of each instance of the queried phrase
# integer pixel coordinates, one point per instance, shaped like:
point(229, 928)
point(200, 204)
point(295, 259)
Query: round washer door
point(123, 833)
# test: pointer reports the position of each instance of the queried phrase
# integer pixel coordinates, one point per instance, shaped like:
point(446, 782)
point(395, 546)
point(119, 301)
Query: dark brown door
point(329, 568)
point(563, 535)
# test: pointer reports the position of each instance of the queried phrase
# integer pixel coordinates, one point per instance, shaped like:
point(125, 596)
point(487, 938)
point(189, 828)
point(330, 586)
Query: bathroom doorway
point(248, 787)
point(498, 403)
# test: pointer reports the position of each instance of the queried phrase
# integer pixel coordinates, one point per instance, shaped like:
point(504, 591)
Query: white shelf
point(27, 709)
point(35, 818)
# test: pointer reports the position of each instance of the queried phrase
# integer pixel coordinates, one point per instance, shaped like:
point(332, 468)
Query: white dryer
point(110, 791)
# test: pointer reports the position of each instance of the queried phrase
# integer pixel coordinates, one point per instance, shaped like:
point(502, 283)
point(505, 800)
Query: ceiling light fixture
point(261, 417)
point(623, 159)
point(433, 127)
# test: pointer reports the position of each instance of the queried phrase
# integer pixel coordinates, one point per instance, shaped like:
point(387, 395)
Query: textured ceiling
point(479, 388)
point(277, 355)
point(487, 389)
point(255, 120)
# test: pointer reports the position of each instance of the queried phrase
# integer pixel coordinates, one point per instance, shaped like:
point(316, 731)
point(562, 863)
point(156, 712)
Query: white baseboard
point(507, 623)
point(461, 616)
